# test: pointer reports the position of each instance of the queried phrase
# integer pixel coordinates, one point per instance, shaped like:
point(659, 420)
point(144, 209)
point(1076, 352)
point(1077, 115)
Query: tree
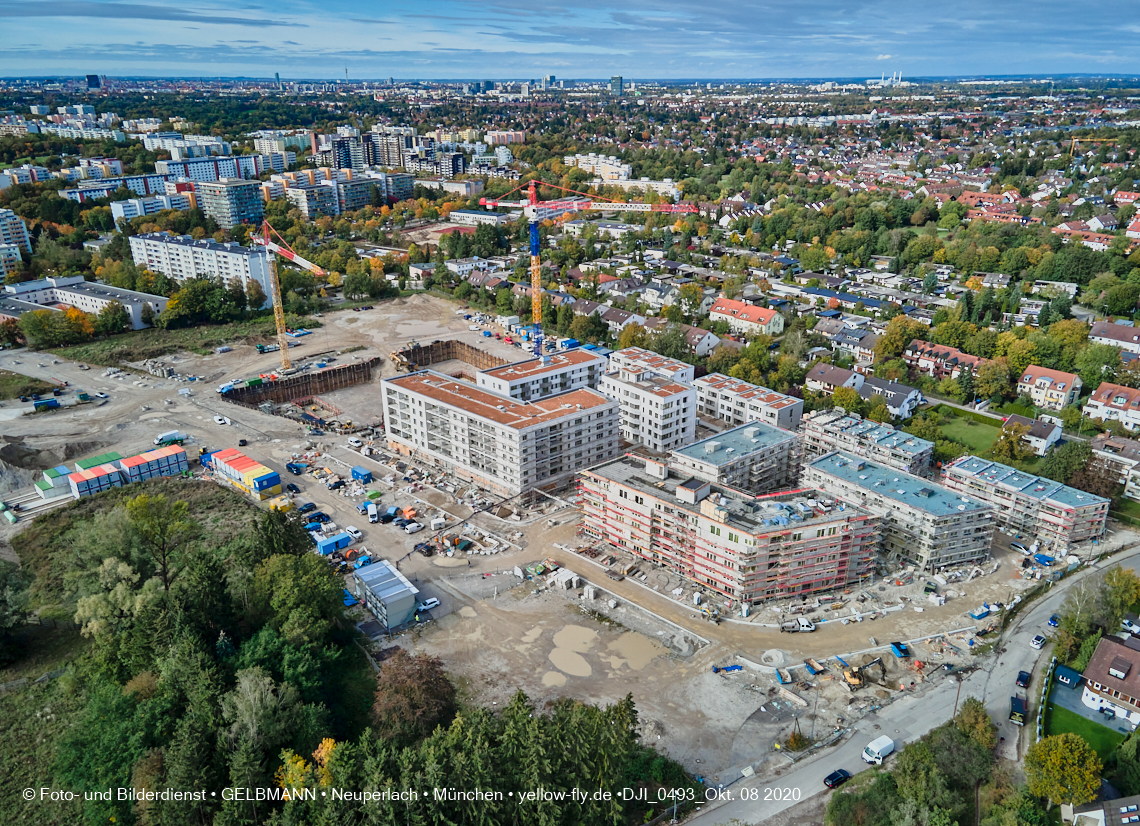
point(633, 335)
point(1010, 443)
point(413, 696)
point(13, 598)
point(992, 379)
point(1063, 768)
point(504, 300)
point(690, 298)
point(878, 410)
point(1098, 363)
point(1064, 461)
point(164, 528)
point(848, 398)
point(147, 314)
point(929, 283)
point(900, 332)
point(1120, 590)
point(672, 342)
point(975, 723)
point(112, 319)
point(255, 297)
point(1099, 478)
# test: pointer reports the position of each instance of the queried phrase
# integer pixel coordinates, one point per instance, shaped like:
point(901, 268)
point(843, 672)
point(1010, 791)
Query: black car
point(1023, 678)
point(337, 485)
point(305, 508)
point(319, 516)
point(836, 778)
point(242, 443)
point(293, 489)
point(385, 518)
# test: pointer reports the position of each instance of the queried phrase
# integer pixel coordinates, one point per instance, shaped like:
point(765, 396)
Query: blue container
point(362, 474)
point(267, 481)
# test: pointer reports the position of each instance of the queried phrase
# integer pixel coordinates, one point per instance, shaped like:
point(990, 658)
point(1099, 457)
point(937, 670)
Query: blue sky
point(495, 39)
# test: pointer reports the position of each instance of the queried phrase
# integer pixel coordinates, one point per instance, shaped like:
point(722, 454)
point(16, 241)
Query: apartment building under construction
point(825, 431)
point(755, 457)
point(1057, 515)
point(750, 549)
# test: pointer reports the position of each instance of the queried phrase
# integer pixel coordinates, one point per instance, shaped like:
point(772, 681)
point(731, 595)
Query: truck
point(170, 437)
point(362, 474)
point(797, 625)
point(900, 650)
point(225, 388)
point(1017, 710)
point(333, 543)
point(877, 750)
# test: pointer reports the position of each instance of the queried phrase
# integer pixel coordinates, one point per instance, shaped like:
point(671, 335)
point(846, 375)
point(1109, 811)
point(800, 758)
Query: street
point(755, 800)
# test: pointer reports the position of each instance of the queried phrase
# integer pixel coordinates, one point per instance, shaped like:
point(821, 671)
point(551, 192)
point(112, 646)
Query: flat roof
point(16, 307)
point(732, 445)
point(746, 390)
point(1035, 487)
point(773, 513)
point(549, 364)
point(498, 409)
point(651, 360)
point(872, 431)
point(384, 581)
point(654, 385)
point(909, 491)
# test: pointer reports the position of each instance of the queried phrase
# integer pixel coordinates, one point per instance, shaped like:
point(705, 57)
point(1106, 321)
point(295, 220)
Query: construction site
point(525, 601)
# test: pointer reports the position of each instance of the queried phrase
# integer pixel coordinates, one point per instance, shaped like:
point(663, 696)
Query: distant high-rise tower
point(277, 77)
point(391, 81)
point(93, 82)
point(616, 85)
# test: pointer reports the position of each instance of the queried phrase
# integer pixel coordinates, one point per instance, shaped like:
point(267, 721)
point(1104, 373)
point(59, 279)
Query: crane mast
point(285, 251)
point(530, 209)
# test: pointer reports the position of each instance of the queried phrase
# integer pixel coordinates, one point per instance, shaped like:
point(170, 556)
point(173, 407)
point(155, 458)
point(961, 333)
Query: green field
point(1103, 739)
point(977, 436)
point(14, 385)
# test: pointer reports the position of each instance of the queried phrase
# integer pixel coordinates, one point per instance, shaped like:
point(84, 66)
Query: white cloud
point(884, 57)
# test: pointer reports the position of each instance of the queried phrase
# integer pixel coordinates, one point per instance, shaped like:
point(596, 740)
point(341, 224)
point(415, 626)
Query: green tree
point(1064, 769)
point(993, 379)
point(165, 528)
point(848, 398)
point(413, 697)
point(1064, 461)
point(1098, 363)
point(690, 298)
point(1010, 443)
point(112, 319)
point(975, 723)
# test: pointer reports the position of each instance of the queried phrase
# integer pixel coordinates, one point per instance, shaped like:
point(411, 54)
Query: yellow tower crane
point(285, 251)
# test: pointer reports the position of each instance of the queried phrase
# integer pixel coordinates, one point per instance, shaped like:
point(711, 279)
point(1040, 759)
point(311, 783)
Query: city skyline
point(442, 39)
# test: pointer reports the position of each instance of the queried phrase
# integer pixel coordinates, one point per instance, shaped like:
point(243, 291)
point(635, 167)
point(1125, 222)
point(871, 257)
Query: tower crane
point(1073, 145)
point(530, 208)
point(285, 251)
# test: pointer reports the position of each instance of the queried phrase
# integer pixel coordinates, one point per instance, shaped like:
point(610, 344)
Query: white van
point(373, 514)
point(878, 749)
point(355, 442)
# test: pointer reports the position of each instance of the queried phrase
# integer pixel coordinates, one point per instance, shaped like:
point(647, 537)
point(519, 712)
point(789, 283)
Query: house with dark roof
point(1112, 680)
point(902, 399)
point(827, 378)
point(1123, 336)
point(939, 360)
point(1042, 435)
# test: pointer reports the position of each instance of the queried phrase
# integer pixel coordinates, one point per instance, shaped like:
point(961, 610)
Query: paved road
point(757, 799)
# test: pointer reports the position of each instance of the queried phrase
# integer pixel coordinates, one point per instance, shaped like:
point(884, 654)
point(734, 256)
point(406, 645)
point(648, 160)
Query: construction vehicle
point(711, 614)
point(530, 208)
point(856, 676)
point(285, 251)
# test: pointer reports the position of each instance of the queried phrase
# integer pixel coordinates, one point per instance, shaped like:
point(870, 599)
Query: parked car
point(413, 527)
point(385, 518)
point(337, 485)
point(353, 532)
point(320, 516)
point(242, 443)
point(221, 420)
point(1054, 621)
point(307, 507)
point(1017, 546)
point(1023, 678)
point(355, 442)
point(400, 522)
point(293, 489)
point(1037, 642)
point(427, 604)
point(102, 396)
point(836, 778)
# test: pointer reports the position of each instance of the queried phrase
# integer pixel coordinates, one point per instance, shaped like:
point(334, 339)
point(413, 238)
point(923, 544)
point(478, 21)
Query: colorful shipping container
point(246, 474)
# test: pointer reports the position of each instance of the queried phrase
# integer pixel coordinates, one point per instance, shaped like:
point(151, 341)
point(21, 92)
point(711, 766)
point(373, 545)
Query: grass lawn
point(1128, 507)
point(977, 436)
point(1103, 739)
point(14, 385)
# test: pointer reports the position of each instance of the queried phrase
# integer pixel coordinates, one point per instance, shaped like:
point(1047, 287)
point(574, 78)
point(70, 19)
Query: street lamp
point(958, 677)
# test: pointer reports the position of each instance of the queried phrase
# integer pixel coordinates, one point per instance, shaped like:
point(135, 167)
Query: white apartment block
point(545, 376)
point(825, 431)
point(181, 257)
point(463, 267)
point(11, 261)
point(658, 413)
point(14, 231)
point(638, 360)
point(738, 402)
point(746, 548)
point(214, 168)
point(505, 446)
point(606, 167)
point(89, 296)
point(136, 207)
point(1050, 389)
point(475, 217)
point(923, 523)
point(1057, 515)
point(187, 146)
point(755, 457)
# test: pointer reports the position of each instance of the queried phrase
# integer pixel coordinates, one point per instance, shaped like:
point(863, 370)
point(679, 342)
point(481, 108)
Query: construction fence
point(419, 356)
point(305, 385)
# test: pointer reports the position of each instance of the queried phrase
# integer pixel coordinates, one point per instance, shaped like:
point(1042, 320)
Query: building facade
point(746, 548)
point(313, 200)
point(655, 412)
point(1057, 515)
point(231, 201)
point(502, 445)
point(826, 431)
point(638, 360)
point(755, 457)
point(213, 168)
point(181, 257)
point(1049, 389)
point(923, 523)
point(747, 318)
point(14, 231)
point(89, 296)
point(545, 376)
point(137, 207)
point(1114, 402)
point(737, 402)
point(1116, 335)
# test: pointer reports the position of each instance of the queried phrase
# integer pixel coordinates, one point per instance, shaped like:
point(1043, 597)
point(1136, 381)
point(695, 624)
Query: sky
point(514, 39)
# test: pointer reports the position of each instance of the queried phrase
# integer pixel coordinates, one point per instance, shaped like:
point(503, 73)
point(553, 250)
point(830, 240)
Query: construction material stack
point(246, 474)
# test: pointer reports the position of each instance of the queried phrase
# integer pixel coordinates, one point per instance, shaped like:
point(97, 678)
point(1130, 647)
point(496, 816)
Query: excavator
point(856, 676)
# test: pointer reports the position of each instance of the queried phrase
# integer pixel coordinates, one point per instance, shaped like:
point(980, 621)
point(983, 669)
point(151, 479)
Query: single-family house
point(1042, 435)
point(939, 360)
point(902, 399)
point(1113, 402)
point(827, 378)
point(747, 319)
point(1112, 680)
